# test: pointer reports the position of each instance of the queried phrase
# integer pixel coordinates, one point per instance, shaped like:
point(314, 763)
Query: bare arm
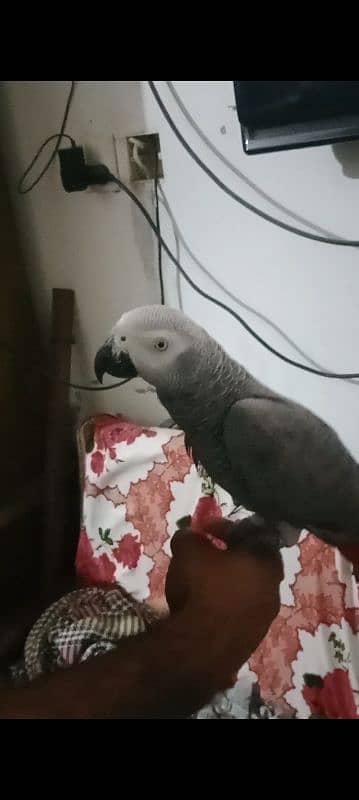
point(162, 673)
point(222, 603)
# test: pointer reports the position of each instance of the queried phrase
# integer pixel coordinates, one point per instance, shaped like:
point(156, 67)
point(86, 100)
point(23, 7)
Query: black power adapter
point(76, 175)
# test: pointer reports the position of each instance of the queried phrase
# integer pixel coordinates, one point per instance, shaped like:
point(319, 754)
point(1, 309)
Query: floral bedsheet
point(137, 483)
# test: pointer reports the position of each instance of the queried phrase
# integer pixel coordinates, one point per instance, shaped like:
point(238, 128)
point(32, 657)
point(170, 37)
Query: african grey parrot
point(272, 455)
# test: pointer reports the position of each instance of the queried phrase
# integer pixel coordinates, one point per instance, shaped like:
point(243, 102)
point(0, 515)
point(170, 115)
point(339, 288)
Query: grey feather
point(273, 456)
point(292, 466)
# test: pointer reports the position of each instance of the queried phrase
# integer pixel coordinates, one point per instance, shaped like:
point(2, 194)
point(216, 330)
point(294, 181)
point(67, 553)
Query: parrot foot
point(256, 534)
point(288, 534)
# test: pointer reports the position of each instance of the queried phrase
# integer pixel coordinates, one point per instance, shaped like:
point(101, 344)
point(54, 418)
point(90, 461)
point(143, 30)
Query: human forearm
point(168, 672)
point(222, 604)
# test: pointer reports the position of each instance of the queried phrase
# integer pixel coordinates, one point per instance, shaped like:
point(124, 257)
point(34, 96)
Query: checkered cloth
point(92, 621)
point(81, 625)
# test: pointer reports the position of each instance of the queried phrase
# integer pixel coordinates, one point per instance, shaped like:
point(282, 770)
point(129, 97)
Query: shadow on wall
point(94, 242)
point(347, 153)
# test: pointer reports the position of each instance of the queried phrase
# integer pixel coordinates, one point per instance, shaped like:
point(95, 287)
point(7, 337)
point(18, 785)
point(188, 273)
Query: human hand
point(230, 597)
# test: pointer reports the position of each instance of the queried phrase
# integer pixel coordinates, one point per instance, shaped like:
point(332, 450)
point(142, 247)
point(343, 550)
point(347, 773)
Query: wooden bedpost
point(61, 495)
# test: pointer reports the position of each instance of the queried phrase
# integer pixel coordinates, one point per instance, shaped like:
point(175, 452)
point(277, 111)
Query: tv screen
point(284, 115)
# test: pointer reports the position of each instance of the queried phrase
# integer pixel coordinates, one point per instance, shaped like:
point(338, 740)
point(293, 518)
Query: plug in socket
point(144, 152)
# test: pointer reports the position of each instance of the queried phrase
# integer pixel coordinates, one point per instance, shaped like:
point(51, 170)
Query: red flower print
point(128, 551)
point(330, 697)
point(84, 554)
point(91, 569)
point(97, 463)
point(112, 430)
point(207, 510)
point(149, 500)
point(105, 569)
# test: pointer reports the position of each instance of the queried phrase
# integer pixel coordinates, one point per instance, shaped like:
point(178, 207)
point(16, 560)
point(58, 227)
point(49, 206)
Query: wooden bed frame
point(39, 528)
point(39, 485)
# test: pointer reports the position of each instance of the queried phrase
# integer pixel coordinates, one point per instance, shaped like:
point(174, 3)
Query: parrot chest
point(204, 441)
point(207, 449)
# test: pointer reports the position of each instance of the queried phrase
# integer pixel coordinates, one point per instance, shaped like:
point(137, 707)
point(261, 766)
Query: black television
point(285, 115)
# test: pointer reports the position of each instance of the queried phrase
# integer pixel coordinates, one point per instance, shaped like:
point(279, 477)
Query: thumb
point(259, 539)
point(231, 532)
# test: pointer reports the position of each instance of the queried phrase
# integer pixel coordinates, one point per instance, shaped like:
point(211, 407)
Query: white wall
point(96, 243)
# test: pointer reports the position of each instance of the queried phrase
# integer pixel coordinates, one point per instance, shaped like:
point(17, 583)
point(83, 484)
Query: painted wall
point(98, 244)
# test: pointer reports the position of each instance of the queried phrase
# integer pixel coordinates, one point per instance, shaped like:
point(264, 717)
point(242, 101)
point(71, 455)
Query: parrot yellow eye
point(161, 344)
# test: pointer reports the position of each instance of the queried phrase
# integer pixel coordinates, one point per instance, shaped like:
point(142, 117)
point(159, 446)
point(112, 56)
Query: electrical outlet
point(143, 157)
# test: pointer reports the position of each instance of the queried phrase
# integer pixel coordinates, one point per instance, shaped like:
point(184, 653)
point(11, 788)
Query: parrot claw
point(184, 522)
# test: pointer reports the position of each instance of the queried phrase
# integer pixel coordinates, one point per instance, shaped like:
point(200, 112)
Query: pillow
point(137, 482)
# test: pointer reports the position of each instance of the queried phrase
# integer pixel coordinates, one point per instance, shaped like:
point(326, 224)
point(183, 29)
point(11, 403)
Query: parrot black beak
point(117, 364)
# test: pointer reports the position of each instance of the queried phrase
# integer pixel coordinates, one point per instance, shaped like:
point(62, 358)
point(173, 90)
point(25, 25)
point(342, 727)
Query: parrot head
point(156, 343)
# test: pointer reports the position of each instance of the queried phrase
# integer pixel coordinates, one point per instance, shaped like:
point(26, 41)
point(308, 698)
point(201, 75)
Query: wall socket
point(143, 157)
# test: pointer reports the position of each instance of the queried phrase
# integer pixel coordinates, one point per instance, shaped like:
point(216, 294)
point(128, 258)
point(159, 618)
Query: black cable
point(220, 304)
point(92, 388)
point(180, 239)
point(231, 193)
point(159, 238)
point(268, 198)
point(8, 348)
point(22, 189)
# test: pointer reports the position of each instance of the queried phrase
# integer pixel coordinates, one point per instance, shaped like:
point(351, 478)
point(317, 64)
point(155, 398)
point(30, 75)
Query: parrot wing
point(290, 465)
